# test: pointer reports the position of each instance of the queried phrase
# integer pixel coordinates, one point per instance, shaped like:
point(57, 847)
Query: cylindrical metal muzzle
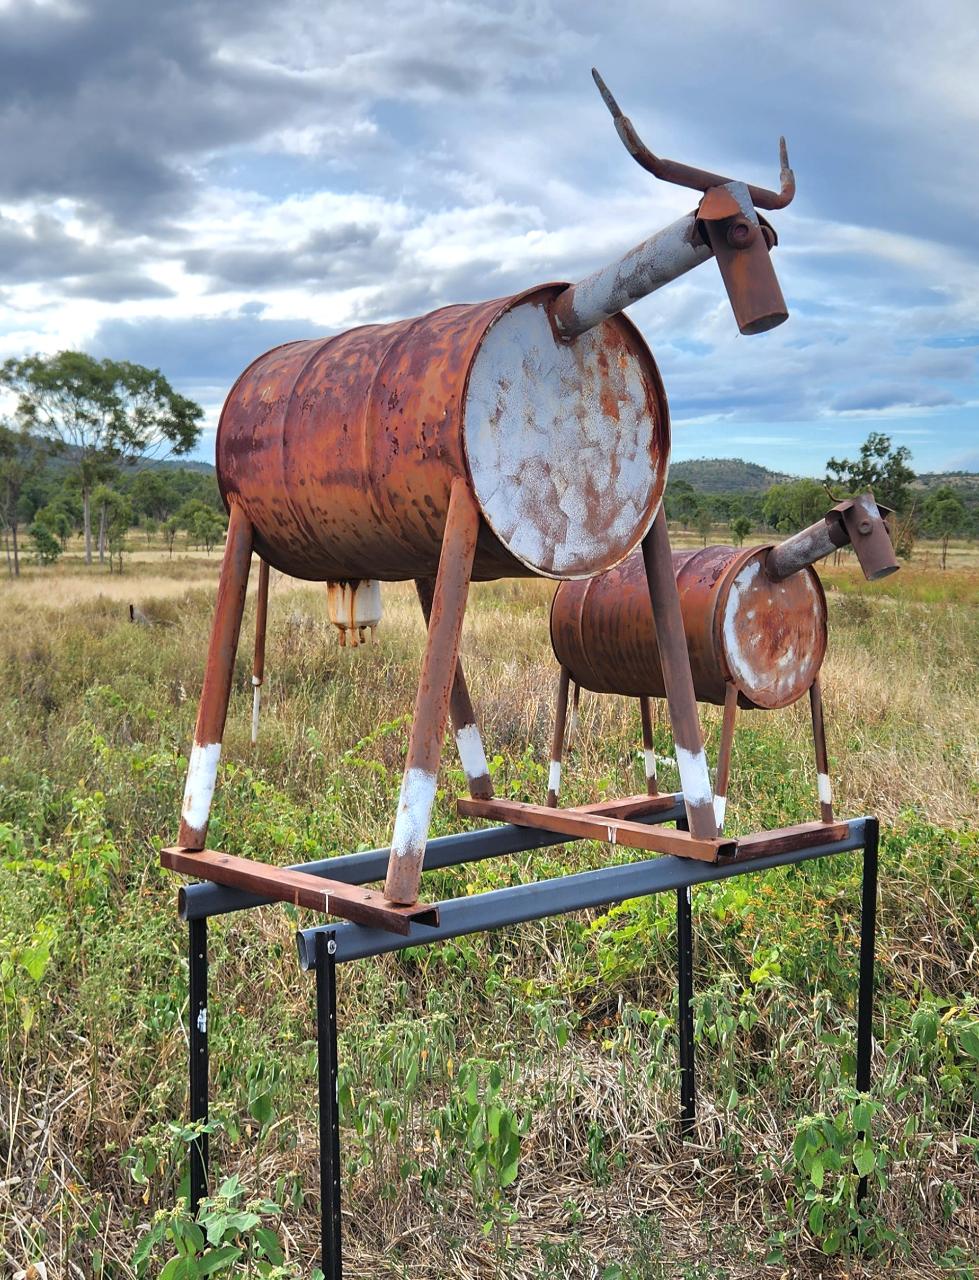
point(858, 521)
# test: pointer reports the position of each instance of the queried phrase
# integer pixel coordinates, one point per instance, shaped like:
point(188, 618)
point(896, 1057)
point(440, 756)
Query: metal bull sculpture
point(755, 627)
point(523, 436)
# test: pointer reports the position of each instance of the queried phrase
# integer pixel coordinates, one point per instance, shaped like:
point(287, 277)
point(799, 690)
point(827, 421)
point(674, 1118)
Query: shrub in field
point(230, 1238)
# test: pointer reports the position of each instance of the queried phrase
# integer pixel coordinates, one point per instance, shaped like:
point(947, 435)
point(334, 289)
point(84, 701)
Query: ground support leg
point(684, 942)
point(198, 1057)
point(868, 931)
point(329, 1111)
point(688, 1084)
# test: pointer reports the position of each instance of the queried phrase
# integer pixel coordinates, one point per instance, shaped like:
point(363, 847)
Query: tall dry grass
point(95, 718)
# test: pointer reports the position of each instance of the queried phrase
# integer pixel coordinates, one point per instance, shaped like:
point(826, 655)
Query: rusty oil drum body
point(768, 638)
point(342, 450)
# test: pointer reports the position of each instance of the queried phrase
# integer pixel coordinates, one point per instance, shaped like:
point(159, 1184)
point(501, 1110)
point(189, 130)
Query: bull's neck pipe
point(666, 256)
point(805, 548)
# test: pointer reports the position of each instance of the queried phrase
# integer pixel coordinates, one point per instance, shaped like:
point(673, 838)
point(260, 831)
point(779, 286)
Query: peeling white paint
point(665, 256)
point(560, 442)
point(694, 776)
point(471, 753)
point(720, 808)
point(650, 755)
point(825, 789)
point(612, 834)
point(202, 1019)
point(202, 774)
point(256, 709)
point(414, 812)
point(773, 634)
point(554, 777)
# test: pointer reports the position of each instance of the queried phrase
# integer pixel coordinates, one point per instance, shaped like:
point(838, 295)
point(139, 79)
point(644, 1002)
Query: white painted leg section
point(202, 775)
point(650, 755)
point(414, 812)
point(471, 753)
point(825, 789)
point(694, 776)
point(554, 777)
point(720, 806)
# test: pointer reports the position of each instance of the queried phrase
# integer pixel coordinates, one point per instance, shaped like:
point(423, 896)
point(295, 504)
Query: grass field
point(509, 1102)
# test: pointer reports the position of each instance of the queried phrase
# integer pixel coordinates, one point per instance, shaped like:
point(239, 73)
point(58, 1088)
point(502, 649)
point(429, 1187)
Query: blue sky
point(187, 184)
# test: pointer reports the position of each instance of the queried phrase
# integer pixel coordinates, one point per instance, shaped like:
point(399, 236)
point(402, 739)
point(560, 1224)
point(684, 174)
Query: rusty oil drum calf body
point(342, 451)
point(768, 638)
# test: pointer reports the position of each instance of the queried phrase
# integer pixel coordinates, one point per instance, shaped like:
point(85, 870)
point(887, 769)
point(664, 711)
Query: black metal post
point(326, 1039)
point(197, 1017)
point(684, 937)
point(868, 932)
point(684, 943)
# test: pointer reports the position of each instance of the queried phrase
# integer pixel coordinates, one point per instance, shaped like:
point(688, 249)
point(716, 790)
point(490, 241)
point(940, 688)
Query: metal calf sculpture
point(524, 436)
point(755, 626)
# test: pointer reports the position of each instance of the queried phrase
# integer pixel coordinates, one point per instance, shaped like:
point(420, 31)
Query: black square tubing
point(324, 947)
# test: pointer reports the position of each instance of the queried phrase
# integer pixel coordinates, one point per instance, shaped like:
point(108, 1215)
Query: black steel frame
point(324, 947)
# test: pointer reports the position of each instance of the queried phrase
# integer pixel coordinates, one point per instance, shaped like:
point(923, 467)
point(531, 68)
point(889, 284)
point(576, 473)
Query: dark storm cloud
point(344, 256)
point(195, 352)
point(41, 251)
point(108, 102)
point(119, 103)
point(116, 286)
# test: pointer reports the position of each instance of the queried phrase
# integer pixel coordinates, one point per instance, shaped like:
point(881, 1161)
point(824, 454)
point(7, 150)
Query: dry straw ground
point(552, 1046)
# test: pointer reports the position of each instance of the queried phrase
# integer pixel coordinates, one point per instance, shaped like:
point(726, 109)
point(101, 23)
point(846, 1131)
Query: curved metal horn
point(685, 175)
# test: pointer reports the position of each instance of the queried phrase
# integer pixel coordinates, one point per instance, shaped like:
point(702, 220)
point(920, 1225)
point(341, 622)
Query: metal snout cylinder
point(768, 638)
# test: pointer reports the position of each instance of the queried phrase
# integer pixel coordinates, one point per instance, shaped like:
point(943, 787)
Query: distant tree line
point(82, 455)
point(787, 506)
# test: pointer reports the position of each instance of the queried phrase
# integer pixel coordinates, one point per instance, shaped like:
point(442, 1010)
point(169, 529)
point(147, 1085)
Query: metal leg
point(684, 938)
point(258, 663)
point(724, 754)
point(868, 931)
point(675, 661)
point(331, 1260)
point(822, 758)
point(573, 718)
point(557, 741)
point(432, 701)
point(469, 743)
point(648, 747)
point(197, 1017)
point(213, 709)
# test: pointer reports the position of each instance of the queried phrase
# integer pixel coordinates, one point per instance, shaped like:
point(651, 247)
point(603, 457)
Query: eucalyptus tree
point(22, 456)
point(102, 413)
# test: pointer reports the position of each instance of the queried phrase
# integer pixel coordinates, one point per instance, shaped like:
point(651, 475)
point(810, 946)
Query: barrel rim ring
point(734, 568)
point(664, 424)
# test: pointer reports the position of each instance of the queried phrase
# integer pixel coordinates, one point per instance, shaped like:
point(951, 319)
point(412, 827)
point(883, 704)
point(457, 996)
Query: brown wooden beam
point(331, 897)
point(585, 826)
point(783, 839)
point(628, 807)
